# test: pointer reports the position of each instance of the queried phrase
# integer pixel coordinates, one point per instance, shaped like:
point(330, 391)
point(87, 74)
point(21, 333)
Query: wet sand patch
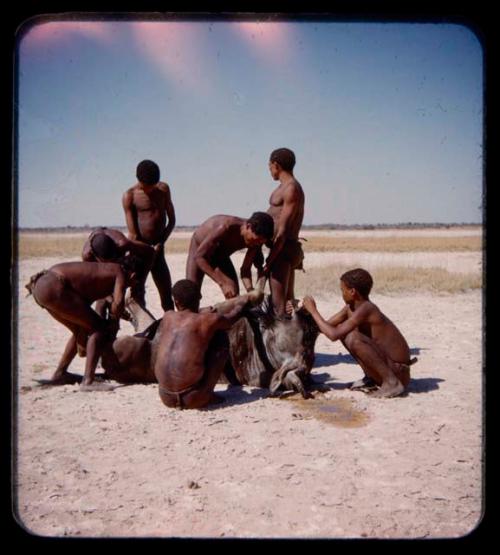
point(338, 412)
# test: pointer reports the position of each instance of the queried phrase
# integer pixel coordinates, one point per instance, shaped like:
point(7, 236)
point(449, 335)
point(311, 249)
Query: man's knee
point(353, 341)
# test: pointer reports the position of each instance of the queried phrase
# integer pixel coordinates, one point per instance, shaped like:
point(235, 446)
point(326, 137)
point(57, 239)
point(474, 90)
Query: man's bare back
point(185, 337)
point(92, 281)
point(216, 239)
point(221, 233)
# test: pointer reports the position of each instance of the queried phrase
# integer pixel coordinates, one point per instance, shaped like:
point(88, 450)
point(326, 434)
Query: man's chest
point(148, 202)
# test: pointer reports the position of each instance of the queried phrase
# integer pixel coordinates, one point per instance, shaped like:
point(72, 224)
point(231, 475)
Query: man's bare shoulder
point(217, 225)
point(163, 187)
point(128, 195)
point(368, 311)
point(293, 189)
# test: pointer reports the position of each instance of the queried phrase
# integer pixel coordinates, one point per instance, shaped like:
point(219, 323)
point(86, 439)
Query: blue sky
point(386, 119)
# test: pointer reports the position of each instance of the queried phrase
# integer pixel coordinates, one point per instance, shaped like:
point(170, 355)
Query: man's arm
point(246, 267)
point(227, 320)
point(129, 209)
point(170, 210)
point(118, 303)
point(291, 201)
point(205, 249)
point(334, 332)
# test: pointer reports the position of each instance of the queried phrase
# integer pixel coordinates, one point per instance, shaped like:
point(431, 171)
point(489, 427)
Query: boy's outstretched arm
point(333, 332)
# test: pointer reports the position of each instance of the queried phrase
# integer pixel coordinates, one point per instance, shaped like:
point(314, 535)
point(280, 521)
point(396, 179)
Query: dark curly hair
point(103, 247)
point(262, 224)
point(186, 293)
point(148, 172)
point(358, 279)
point(284, 157)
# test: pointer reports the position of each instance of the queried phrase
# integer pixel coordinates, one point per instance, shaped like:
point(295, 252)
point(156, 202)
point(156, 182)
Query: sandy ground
point(342, 465)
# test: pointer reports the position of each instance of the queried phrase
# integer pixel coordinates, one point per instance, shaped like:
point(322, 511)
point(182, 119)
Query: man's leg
point(163, 281)
point(128, 360)
point(279, 280)
point(374, 363)
point(62, 303)
point(290, 292)
point(70, 307)
point(61, 376)
point(138, 289)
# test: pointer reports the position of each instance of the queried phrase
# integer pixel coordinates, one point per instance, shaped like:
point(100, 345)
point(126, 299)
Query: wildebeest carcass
point(269, 352)
point(264, 351)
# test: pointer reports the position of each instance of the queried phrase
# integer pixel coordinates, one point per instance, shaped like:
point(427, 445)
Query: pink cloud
point(175, 49)
point(54, 32)
point(270, 40)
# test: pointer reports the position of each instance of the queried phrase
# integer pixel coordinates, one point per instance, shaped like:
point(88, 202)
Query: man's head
point(259, 229)
point(131, 265)
point(104, 248)
point(355, 281)
point(281, 159)
point(186, 294)
point(148, 172)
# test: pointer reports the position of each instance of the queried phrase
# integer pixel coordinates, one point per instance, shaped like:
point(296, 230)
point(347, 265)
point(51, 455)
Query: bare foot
point(402, 372)
point(97, 386)
point(64, 379)
point(386, 391)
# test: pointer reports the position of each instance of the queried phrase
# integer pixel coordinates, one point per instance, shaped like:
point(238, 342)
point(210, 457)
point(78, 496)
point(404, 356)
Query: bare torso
point(384, 332)
point(149, 211)
point(183, 343)
point(276, 202)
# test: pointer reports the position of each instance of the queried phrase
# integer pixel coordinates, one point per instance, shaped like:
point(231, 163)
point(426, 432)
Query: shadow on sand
point(327, 359)
point(236, 395)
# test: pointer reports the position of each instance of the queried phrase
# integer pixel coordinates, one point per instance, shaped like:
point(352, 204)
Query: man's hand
point(309, 304)
point(229, 289)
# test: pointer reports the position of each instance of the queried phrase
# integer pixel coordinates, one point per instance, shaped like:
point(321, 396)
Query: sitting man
point(368, 334)
point(217, 238)
point(67, 291)
point(193, 348)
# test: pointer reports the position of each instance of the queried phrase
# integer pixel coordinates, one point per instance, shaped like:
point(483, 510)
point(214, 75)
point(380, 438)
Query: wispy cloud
point(175, 49)
point(271, 41)
point(59, 32)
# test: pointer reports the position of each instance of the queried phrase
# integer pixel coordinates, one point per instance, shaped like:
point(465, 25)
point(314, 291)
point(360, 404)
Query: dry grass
point(70, 246)
point(389, 279)
point(37, 245)
point(393, 244)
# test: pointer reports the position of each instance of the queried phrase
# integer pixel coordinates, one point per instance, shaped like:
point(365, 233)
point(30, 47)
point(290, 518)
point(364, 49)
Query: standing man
point(287, 211)
point(147, 206)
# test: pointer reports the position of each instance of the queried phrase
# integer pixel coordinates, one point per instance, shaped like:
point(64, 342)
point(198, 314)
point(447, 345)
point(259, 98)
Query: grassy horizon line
point(321, 226)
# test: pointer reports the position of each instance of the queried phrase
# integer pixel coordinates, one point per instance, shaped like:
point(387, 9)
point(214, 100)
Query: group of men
point(192, 351)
